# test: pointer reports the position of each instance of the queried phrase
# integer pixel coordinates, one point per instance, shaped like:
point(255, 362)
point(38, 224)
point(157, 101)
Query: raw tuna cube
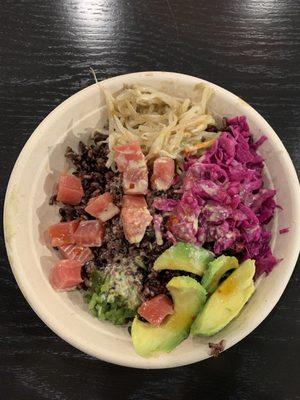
point(156, 309)
point(66, 275)
point(135, 222)
point(129, 155)
point(70, 190)
point(130, 201)
point(77, 253)
point(89, 233)
point(62, 233)
point(163, 173)
point(135, 180)
point(135, 218)
point(102, 207)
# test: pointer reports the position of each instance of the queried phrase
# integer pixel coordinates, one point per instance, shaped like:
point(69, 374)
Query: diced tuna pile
point(75, 238)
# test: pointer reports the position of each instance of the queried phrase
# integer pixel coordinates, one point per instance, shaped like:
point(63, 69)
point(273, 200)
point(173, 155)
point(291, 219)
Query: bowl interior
point(28, 215)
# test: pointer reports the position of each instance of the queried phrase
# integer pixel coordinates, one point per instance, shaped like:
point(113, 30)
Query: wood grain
point(46, 48)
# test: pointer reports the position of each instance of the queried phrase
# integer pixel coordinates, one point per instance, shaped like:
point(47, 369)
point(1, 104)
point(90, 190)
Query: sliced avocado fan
point(188, 298)
point(216, 269)
point(184, 257)
point(227, 301)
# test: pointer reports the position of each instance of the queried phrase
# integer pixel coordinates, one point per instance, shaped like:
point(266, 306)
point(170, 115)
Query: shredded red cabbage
point(224, 204)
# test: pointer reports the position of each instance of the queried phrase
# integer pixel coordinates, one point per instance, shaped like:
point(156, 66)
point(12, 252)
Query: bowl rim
point(34, 303)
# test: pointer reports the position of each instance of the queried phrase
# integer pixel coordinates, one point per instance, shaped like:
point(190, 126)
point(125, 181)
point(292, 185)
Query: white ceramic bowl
point(27, 216)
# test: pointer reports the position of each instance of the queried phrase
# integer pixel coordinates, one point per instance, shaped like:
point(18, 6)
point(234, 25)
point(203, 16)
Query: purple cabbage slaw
point(224, 205)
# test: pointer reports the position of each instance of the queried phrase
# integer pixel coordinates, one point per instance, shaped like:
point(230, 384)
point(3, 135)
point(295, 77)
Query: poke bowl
point(42, 172)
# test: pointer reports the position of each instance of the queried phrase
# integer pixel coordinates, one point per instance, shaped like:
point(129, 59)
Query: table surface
point(249, 47)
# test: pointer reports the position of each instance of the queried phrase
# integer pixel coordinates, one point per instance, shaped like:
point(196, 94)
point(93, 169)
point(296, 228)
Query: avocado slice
point(227, 301)
point(188, 298)
point(184, 257)
point(216, 269)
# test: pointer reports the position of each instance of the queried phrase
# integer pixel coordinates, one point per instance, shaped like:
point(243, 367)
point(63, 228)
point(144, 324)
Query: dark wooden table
point(46, 48)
